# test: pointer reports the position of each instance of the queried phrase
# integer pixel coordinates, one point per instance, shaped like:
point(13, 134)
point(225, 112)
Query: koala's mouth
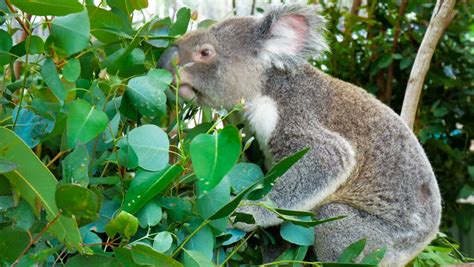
point(188, 92)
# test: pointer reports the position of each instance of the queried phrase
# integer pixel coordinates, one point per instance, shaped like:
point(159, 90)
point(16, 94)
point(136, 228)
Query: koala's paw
point(263, 218)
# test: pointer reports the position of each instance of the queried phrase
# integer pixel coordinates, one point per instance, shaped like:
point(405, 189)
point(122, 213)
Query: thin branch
point(235, 250)
point(32, 242)
point(252, 8)
point(355, 7)
point(349, 20)
point(56, 157)
point(387, 96)
point(234, 7)
point(22, 24)
point(24, 34)
point(442, 15)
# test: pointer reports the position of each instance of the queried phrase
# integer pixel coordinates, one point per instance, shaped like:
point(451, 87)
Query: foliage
point(102, 163)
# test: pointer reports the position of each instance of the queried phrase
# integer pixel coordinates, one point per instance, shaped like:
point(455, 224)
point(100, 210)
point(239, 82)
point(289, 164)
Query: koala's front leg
point(317, 175)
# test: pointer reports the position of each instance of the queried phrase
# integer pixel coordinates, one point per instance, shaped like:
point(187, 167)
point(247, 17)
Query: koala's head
point(227, 62)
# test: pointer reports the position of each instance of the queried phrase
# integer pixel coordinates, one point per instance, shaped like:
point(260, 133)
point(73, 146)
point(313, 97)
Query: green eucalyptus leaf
point(296, 234)
point(206, 23)
point(162, 241)
point(76, 167)
point(244, 217)
point(193, 258)
point(89, 237)
point(208, 204)
point(125, 156)
point(147, 92)
point(124, 256)
point(243, 175)
point(232, 205)
point(22, 216)
point(128, 5)
point(48, 7)
point(295, 254)
point(12, 243)
point(112, 129)
point(37, 186)
point(34, 44)
point(125, 62)
point(107, 26)
point(146, 185)
point(124, 223)
point(203, 241)
point(151, 145)
point(157, 29)
point(72, 70)
point(374, 257)
point(146, 255)
point(71, 32)
point(406, 62)
point(5, 46)
point(84, 122)
point(235, 236)
point(31, 127)
point(150, 214)
point(178, 209)
point(276, 171)
point(182, 20)
point(51, 78)
point(384, 61)
point(213, 156)
point(96, 260)
point(353, 251)
point(81, 203)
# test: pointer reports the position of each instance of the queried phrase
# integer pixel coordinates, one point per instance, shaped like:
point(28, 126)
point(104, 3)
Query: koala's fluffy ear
point(291, 34)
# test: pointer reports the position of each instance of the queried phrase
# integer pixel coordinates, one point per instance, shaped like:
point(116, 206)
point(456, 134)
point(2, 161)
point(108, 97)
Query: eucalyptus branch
point(185, 241)
point(236, 249)
point(285, 262)
point(25, 76)
point(32, 242)
point(22, 23)
point(443, 13)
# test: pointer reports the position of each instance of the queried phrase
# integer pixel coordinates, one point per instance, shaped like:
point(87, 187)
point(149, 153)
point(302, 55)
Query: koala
point(364, 162)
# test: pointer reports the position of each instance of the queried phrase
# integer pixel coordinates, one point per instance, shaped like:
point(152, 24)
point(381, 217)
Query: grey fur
point(364, 162)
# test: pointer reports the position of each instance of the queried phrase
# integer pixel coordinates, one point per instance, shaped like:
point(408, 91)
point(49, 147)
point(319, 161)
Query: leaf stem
point(32, 242)
point(185, 241)
point(236, 249)
point(277, 263)
point(56, 157)
point(22, 23)
point(25, 74)
point(221, 119)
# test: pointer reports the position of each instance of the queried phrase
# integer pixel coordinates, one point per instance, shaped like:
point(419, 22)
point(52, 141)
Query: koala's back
point(393, 178)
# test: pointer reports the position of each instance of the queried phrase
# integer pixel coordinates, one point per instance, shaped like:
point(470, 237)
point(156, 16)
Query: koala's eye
point(206, 52)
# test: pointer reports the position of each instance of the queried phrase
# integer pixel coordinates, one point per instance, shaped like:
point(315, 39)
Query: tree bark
point(234, 7)
point(387, 96)
point(252, 8)
point(355, 7)
point(442, 15)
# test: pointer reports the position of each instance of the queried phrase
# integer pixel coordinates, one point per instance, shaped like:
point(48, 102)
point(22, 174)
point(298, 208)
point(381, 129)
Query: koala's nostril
point(169, 58)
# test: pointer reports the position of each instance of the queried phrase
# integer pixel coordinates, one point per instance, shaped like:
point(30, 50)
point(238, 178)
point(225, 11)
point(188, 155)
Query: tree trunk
point(442, 15)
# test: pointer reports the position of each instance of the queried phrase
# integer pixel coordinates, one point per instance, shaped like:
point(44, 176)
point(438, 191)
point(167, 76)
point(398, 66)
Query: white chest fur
point(262, 116)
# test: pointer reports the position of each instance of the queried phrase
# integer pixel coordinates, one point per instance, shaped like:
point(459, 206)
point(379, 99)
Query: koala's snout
point(169, 59)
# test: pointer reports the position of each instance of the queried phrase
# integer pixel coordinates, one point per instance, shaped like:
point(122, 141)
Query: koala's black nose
point(169, 58)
